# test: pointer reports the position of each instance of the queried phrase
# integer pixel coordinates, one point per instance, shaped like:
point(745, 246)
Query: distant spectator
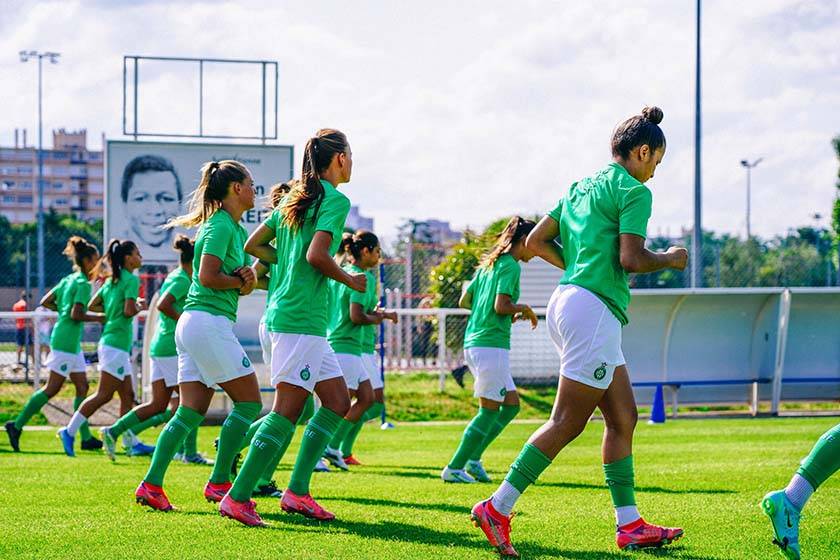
point(20, 325)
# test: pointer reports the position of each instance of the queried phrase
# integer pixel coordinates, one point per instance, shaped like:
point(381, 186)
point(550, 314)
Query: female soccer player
point(492, 295)
point(117, 298)
point(602, 224)
point(70, 298)
point(209, 353)
point(351, 312)
point(784, 507)
point(164, 359)
point(307, 228)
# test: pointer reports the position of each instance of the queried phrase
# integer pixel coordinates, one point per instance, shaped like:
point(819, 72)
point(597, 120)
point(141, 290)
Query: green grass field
point(704, 475)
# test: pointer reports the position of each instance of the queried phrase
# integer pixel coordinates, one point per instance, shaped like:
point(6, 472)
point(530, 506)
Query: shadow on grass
point(465, 510)
point(408, 474)
point(541, 405)
point(652, 489)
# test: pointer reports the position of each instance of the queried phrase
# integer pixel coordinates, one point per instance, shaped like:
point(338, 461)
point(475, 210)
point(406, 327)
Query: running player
point(164, 359)
point(70, 298)
point(492, 295)
point(351, 312)
point(601, 224)
point(307, 227)
point(118, 299)
point(784, 507)
point(209, 353)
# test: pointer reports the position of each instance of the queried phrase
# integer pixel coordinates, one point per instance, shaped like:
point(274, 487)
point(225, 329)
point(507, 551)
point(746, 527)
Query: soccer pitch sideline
point(704, 475)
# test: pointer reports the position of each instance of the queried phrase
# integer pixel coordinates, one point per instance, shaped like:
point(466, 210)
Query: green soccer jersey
point(298, 303)
point(67, 333)
point(221, 237)
point(117, 332)
point(485, 327)
point(177, 284)
point(369, 332)
point(591, 217)
point(344, 336)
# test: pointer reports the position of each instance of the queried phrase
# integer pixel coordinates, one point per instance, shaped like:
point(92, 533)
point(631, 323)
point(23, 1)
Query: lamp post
point(25, 56)
point(749, 166)
point(697, 234)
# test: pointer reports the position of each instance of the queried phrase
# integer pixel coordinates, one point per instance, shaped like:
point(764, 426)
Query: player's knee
point(82, 388)
point(624, 424)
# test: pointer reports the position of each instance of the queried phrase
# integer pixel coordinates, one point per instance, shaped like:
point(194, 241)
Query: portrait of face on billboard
point(152, 195)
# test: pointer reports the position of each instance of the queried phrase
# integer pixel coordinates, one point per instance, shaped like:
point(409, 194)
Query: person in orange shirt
point(20, 325)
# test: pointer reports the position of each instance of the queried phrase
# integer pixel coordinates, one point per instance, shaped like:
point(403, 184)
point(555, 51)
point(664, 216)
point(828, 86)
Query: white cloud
point(467, 111)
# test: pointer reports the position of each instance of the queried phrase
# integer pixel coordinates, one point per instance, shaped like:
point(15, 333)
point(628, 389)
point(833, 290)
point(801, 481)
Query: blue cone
point(657, 413)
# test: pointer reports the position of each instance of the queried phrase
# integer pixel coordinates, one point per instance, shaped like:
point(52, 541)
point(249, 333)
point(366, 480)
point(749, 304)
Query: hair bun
point(182, 242)
point(653, 114)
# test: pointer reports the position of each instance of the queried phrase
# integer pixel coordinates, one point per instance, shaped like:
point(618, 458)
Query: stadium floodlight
point(749, 166)
point(53, 58)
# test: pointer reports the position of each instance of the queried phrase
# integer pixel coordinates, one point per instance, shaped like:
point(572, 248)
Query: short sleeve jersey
point(298, 303)
point(591, 217)
point(485, 327)
point(369, 332)
point(344, 336)
point(221, 237)
point(176, 284)
point(67, 333)
point(117, 332)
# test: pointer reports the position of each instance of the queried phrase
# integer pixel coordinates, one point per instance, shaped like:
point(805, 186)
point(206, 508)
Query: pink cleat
point(244, 512)
point(304, 505)
point(152, 496)
point(350, 460)
point(496, 527)
point(215, 492)
point(641, 534)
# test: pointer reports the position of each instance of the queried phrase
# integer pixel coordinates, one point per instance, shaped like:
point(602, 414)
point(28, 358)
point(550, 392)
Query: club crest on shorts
point(305, 374)
point(121, 370)
point(246, 362)
point(502, 392)
point(600, 372)
point(63, 367)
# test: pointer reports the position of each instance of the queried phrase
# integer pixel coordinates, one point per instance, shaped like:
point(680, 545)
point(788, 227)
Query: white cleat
point(109, 443)
point(335, 458)
point(321, 466)
point(459, 476)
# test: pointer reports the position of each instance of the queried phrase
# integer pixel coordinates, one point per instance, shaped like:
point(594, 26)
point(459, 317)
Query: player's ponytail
point(216, 177)
point(113, 261)
point(186, 247)
point(516, 229)
point(78, 249)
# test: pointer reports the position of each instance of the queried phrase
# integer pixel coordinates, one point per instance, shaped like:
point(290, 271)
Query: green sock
point(271, 466)
point(374, 411)
point(35, 403)
point(191, 443)
point(272, 436)
point(824, 459)
point(84, 429)
point(125, 423)
point(528, 467)
point(506, 414)
point(307, 412)
point(252, 431)
point(231, 436)
point(316, 436)
point(157, 419)
point(619, 476)
point(474, 434)
point(341, 432)
point(170, 440)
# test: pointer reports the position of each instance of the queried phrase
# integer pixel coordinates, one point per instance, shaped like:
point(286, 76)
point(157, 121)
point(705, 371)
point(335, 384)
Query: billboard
point(148, 183)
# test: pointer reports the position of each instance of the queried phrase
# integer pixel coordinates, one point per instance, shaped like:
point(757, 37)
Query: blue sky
point(468, 111)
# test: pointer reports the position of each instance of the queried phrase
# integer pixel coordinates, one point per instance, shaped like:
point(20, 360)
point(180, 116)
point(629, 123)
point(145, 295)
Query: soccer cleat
point(496, 527)
point(641, 534)
point(14, 435)
point(110, 443)
point(269, 490)
point(91, 444)
point(244, 512)
point(476, 470)
point(321, 466)
point(335, 458)
point(67, 442)
point(197, 459)
point(784, 518)
point(235, 465)
point(459, 476)
point(304, 505)
point(140, 449)
point(215, 492)
point(152, 496)
point(178, 457)
point(350, 460)
point(458, 375)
